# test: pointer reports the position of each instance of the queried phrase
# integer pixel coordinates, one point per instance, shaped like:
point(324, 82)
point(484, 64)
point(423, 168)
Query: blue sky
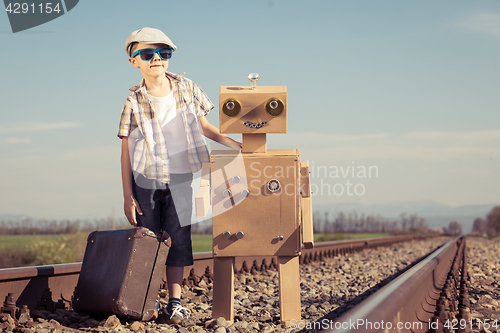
point(410, 88)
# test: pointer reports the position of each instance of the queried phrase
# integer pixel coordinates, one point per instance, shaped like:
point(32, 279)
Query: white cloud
point(460, 167)
point(13, 140)
point(469, 135)
point(424, 146)
point(36, 127)
point(483, 22)
point(473, 172)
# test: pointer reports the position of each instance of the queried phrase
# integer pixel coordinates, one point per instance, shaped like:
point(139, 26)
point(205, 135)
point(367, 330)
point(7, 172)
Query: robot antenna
point(253, 77)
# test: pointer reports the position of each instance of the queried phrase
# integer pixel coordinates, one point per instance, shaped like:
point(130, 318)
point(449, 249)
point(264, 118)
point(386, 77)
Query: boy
point(161, 126)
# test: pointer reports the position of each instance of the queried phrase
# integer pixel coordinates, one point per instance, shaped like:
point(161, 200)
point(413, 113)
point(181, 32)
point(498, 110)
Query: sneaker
point(174, 315)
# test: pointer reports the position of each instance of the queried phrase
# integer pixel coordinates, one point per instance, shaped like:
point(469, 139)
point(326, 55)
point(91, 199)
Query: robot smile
point(254, 125)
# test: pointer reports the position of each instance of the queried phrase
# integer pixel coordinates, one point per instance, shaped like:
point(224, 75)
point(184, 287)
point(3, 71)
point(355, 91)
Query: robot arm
point(307, 220)
point(202, 198)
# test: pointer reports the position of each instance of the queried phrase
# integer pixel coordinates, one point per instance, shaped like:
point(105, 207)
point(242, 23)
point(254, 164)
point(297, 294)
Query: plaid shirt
point(138, 122)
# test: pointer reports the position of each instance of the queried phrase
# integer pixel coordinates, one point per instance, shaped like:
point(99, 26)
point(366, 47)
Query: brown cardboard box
point(269, 222)
point(252, 104)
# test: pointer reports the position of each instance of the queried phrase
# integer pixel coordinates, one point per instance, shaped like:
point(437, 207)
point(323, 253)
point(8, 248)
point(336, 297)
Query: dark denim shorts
point(156, 201)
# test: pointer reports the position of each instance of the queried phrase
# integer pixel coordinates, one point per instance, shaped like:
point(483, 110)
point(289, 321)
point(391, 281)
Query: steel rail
point(413, 302)
point(26, 284)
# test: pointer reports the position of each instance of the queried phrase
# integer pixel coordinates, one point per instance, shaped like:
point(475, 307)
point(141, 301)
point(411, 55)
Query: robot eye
point(274, 107)
point(231, 108)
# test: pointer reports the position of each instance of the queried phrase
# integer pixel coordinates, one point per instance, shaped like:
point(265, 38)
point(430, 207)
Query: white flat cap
point(148, 36)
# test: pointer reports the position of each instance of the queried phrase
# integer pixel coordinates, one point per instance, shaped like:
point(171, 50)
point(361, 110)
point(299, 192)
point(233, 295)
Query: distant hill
point(435, 214)
point(13, 217)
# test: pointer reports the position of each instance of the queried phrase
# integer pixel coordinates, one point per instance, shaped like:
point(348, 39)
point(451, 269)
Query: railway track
point(432, 296)
point(26, 285)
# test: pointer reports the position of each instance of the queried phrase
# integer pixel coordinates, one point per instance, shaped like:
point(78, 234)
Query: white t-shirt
point(174, 132)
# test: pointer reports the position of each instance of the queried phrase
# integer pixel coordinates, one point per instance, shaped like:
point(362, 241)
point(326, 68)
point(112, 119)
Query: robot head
point(253, 109)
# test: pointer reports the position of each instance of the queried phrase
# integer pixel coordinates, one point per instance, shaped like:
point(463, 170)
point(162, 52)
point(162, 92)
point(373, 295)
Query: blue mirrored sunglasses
point(165, 53)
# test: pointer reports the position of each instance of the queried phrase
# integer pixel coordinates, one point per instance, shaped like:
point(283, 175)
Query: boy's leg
point(174, 281)
point(159, 213)
point(177, 207)
point(176, 221)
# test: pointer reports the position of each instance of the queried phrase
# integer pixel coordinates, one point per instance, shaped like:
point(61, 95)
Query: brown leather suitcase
point(121, 273)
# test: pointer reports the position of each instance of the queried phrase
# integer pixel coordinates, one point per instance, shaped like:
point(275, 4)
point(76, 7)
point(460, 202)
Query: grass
point(342, 236)
point(29, 250)
point(202, 243)
point(22, 242)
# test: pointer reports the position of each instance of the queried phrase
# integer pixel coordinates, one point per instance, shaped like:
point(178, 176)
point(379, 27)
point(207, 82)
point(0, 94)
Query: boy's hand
point(234, 145)
point(130, 207)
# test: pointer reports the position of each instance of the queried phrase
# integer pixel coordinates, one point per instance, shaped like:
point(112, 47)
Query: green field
point(341, 236)
point(27, 250)
point(24, 242)
point(21, 242)
point(201, 243)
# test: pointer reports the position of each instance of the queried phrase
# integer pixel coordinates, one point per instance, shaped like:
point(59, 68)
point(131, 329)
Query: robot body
point(260, 198)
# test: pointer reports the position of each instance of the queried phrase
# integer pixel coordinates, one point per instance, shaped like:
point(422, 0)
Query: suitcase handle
point(141, 232)
point(165, 238)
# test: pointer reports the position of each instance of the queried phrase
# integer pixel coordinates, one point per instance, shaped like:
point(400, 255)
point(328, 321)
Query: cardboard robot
point(261, 198)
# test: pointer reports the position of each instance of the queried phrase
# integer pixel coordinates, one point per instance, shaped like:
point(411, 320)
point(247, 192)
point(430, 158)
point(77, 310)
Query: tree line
point(27, 226)
point(488, 226)
point(372, 223)
point(32, 226)
point(375, 223)
point(323, 222)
